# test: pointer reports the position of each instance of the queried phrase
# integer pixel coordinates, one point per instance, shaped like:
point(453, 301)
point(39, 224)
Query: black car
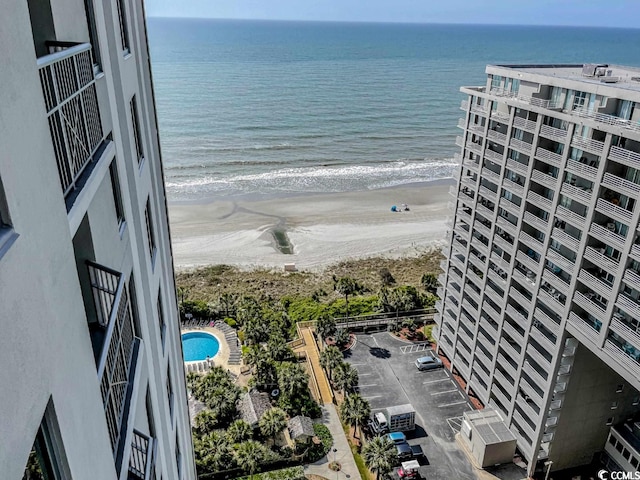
point(404, 451)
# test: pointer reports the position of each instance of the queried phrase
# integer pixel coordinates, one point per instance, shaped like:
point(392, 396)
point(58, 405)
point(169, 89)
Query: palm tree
point(346, 377)
point(205, 422)
point(346, 286)
point(430, 282)
point(355, 410)
point(227, 301)
point(380, 455)
point(249, 455)
point(330, 358)
point(273, 422)
point(325, 326)
point(213, 452)
point(277, 348)
point(292, 378)
point(239, 431)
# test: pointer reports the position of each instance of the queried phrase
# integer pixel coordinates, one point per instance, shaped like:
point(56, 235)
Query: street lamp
point(548, 464)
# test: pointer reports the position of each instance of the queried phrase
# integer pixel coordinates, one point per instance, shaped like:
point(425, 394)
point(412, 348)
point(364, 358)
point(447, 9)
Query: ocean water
point(256, 107)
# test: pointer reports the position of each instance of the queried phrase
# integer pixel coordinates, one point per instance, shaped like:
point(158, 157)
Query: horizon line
point(390, 22)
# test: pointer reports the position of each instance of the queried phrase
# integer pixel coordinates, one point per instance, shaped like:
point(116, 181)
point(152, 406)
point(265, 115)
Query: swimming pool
point(199, 345)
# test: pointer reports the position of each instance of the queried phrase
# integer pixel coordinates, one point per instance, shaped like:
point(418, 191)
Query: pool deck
point(222, 357)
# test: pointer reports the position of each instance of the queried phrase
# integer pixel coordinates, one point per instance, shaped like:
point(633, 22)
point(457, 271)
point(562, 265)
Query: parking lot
point(388, 377)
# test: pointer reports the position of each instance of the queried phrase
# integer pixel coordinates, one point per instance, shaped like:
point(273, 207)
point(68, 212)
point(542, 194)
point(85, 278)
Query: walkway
point(311, 350)
point(342, 455)
point(230, 335)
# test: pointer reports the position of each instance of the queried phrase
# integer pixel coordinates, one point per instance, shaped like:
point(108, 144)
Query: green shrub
point(428, 332)
point(231, 322)
point(291, 473)
point(197, 308)
point(316, 452)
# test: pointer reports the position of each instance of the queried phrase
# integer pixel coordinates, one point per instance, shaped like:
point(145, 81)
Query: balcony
point(513, 187)
point(551, 300)
point(545, 342)
point(553, 133)
point(499, 116)
point(588, 144)
point(504, 382)
point(509, 350)
point(464, 105)
point(479, 109)
point(531, 242)
point(495, 157)
point(548, 181)
point(530, 391)
point(497, 279)
point(536, 221)
point(482, 228)
point(618, 184)
point(524, 124)
point(510, 207)
point(632, 278)
point(500, 262)
point(497, 137)
point(504, 243)
point(574, 218)
point(581, 194)
point(628, 305)
point(630, 334)
point(493, 295)
point(547, 321)
point(626, 157)
point(583, 328)
point(69, 90)
point(529, 262)
point(472, 165)
point(588, 305)
point(614, 211)
point(518, 167)
point(606, 119)
point(491, 175)
point(526, 280)
point(498, 393)
point(555, 281)
point(623, 358)
point(506, 225)
point(508, 367)
point(491, 311)
point(475, 128)
point(484, 210)
point(583, 170)
point(594, 283)
point(526, 408)
point(141, 458)
point(521, 146)
point(549, 157)
point(607, 236)
point(539, 200)
point(474, 147)
point(522, 424)
point(113, 336)
point(459, 141)
point(522, 300)
point(601, 260)
point(565, 239)
point(519, 318)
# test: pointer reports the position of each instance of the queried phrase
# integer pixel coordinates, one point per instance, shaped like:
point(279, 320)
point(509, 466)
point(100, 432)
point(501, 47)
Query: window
point(136, 129)
point(170, 391)
point(47, 459)
point(124, 34)
point(93, 34)
point(178, 457)
point(163, 325)
point(117, 195)
point(150, 233)
point(7, 234)
point(635, 401)
point(620, 388)
point(610, 420)
point(614, 405)
point(496, 82)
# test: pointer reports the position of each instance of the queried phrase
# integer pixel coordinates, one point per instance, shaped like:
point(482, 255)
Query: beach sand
point(321, 228)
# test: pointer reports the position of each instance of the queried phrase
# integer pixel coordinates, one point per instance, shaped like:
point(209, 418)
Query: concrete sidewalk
point(343, 454)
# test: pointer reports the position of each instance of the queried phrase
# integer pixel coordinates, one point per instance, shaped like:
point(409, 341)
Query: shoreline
point(320, 228)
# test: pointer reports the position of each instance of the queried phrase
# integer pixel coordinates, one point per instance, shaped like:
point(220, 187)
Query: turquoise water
point(199, 346)
point(256, 107)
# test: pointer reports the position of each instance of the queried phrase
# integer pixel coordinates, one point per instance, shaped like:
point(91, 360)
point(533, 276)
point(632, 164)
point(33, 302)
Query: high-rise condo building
point(91, 375)
point(540, 296)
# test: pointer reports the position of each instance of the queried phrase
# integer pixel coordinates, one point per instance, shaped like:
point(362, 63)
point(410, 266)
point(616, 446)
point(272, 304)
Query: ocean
point(276, 108)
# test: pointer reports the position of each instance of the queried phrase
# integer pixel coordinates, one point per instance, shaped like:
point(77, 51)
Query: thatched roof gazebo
point(252, 405)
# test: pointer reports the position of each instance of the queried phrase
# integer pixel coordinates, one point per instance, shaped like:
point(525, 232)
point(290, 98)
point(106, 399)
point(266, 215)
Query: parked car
point(397, 437)
point(409, 470)
point(404, 451)
point(428, 363)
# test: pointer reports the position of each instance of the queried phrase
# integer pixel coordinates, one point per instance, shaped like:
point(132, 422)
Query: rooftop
point(489, 426)
point(617, 76)
point(253, 405)
point(300, 426)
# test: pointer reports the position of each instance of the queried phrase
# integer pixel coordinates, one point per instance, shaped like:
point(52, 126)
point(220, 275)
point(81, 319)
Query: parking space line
point(364, 374)
point(435, 381)
point(372, 396)
point(446, 391)
point(460, 393)
point(369, 385)
point(451, 404)
point(470, 406)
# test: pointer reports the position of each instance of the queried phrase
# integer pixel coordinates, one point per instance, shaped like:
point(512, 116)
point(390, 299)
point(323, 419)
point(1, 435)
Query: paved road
point(389, 377)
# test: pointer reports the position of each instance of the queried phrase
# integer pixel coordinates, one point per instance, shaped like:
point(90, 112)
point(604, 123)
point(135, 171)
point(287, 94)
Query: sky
point(603, 13)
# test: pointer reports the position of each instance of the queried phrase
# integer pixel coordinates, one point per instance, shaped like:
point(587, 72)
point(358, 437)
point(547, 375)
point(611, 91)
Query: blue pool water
point(199, 346)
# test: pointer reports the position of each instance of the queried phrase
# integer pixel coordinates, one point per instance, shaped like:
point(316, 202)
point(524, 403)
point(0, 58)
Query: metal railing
point(69, 90)
point(581, 169)
point(590, 144)
point(549, 157)
point(631, 158)
point(553, 132)
point(606, 118)
point(141, 457)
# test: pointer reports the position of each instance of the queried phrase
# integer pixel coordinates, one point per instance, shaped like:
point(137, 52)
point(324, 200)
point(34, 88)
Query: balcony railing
point(524, 124)
point(589, 144)
point(631, 335)
point(524, 147)
point(546, 320)
point(544, 179)
point(114, 366)
point(519, 167)
point(530, 241)
point(582, 195)
point(513, 187)
point(497, 137)
point(69, 90)
point(500, 116)
point(628, 305)
point(601, 260)
point(574, 218)
point(491, 175)
point(537, 102)
point(536, 221)
point(552, 132)
point(607, 236)
point(587, 304)
point(494, 156)
point(549, 157)
point(617, 184)
point(585, 171)
point(555, 281)
point(628, 157)
point(632, 278)
point(622, 357)
point(539, 200)
point(584, 328)
point(141, 458)
point(594, 283)
point(464, 105)
point(606, 119)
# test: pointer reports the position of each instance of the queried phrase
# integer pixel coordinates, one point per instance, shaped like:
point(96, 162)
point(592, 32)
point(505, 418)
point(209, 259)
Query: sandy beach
point(321, 228)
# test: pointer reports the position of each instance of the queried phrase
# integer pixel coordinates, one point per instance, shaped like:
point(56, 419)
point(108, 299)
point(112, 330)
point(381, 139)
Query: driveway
point(388, 377)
